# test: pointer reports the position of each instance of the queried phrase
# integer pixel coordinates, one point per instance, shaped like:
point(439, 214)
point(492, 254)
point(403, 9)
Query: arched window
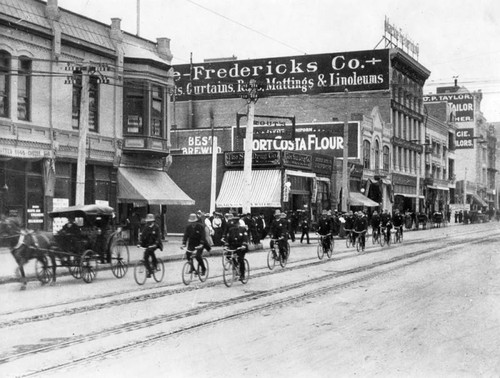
point(24, 89)
point(377, 155)
point(366, 154)
point(5, 62)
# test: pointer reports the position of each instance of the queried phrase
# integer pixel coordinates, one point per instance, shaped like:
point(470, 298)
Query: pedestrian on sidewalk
point(304, 226)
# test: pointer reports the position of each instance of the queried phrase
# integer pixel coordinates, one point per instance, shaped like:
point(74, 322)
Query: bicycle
point(231, 269)
point(274, 255)
point(384, 239)
point(398, 235)
point(192, 267)
point(141, 272)
point(349, 242)
point(376, 236)
point(360, 243)
point(322, 248)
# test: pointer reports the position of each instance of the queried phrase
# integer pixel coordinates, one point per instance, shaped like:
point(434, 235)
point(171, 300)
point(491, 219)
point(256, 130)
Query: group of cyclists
point(236, 235)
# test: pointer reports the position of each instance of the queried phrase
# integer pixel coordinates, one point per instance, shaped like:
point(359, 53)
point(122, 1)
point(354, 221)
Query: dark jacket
point(151, 235)
point(194, 235)
point(236, 236)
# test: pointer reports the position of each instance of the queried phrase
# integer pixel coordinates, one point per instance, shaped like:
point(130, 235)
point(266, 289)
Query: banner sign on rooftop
point(461, 103)
point(283, 76)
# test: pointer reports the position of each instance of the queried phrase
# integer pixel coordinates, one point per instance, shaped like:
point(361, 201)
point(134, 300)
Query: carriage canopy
point(82, 211)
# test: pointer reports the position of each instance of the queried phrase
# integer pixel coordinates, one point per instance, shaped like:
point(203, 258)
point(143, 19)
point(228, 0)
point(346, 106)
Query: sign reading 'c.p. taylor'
point(461, 103)
point(294, 75)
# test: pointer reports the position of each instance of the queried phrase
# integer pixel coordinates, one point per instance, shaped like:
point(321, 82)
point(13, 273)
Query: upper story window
point(144, 108)
point(93, 98)
point(156, 110)
point(385, 157)
point(377, 155)
point(24, 90)
point(366, 154)
point(5, 62)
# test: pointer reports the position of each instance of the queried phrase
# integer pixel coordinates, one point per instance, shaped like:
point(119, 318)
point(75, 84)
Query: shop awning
point(358, 199)
point(138, 185)
point(265, 191)
point(408, 195)
point(478, 199)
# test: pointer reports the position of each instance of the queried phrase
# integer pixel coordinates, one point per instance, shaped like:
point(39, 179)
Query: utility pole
point(251, 97)
point(345, 156)
point(465, 188)
point(82, 144)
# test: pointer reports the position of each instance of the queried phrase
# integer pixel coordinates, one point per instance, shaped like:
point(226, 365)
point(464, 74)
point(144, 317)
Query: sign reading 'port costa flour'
point(323, 138)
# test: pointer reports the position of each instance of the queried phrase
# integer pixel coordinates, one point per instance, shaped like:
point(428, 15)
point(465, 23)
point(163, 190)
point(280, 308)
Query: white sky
point(456, 37)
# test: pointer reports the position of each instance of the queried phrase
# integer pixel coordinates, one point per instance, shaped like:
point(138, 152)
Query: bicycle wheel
point(203, 277)
point(320, 250)
point(159, 272)
point(358, 244)
point(140, 272)
point(228, 275)
point(401, 238)
point(348, 240)
point(374, 237)
point(381, 239)
point(271, 261)
point(247, 272)
point(187, 273)
point(329, 251)
point(226, 257)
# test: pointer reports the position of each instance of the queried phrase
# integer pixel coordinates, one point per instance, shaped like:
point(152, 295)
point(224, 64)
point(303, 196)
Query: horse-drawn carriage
point(79, 246)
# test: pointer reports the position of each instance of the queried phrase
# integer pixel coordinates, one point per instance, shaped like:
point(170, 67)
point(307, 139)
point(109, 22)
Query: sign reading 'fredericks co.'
point(302, 74)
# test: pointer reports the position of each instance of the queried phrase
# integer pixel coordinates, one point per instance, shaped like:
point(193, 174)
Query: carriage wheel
point(88, 265)
point(43, 270)
point(120, 258)
point(74, 267)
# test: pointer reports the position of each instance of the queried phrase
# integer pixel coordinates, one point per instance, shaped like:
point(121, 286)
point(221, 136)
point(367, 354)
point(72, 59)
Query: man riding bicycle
point(349, 225)
point(236, 238)
point(360, 226)
point(325, 228)
point(194, 236)
point(386, 222)
point(279, 232)
point(150, 239)
point(397, 221)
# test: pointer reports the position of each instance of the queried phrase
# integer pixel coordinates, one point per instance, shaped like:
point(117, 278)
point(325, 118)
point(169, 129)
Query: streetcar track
point(412, 258)
point(170, 290)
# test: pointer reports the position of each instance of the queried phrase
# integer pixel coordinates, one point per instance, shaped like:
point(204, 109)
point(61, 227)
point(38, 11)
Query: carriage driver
point(150, 239)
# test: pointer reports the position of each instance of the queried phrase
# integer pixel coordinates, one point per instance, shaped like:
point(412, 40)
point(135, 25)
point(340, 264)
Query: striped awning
point(265, 191)
point(359, 199)
point(149, 186)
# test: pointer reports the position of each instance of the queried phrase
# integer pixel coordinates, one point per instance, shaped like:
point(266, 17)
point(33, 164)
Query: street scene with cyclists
point(191, 188)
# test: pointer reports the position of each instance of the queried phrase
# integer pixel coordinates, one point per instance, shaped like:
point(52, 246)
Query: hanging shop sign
point(464, 138)
point(297, 160)
point(461, 103)
point(322, 164)
point(259, 159)
point(283, 76)
point(324, 138)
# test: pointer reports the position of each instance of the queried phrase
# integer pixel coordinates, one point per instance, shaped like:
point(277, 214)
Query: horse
point(26, 245)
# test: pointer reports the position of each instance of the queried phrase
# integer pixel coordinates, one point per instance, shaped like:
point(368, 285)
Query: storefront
point(405, 193)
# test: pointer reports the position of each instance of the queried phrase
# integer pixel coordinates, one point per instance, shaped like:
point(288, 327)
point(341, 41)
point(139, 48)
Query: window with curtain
point(24, 90)
point(134, 109)
point(377, 155)
point(5, 62)
point(156, 110)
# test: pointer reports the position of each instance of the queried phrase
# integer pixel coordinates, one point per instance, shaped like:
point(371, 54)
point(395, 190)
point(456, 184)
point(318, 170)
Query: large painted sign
point(323, 138)
point(199, 141)
point(283, 76)
point(461, 103)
